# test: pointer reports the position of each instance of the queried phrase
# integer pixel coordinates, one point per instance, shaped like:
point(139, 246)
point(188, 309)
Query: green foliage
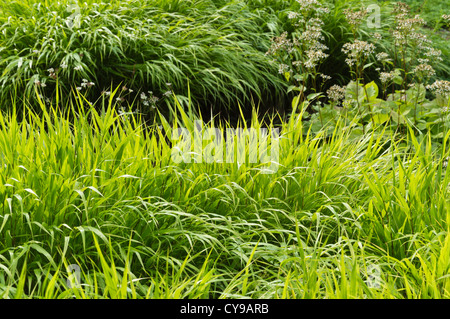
point(432, 11)
point(218, 47)
point(405, 66)
point(357, 206)
point(100, 191)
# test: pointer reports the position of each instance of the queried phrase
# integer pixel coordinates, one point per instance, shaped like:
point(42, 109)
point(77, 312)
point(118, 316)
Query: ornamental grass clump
point(216, 47)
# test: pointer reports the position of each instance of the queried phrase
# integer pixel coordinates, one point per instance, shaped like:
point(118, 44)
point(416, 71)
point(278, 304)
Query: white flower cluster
point(294, 15)
point(377, 36)
point(308, 6)
point(434, 54)
point(37, 82)
point(314, 57)
point(401, 8)
point(169, 92)
point(149, 100)
point(422, 41)
point(310, 40)
point(308, 43)
point(405, 30)
point(424, 70)
point(52, 73)
point(440, 87)
point(357, 50)
point(282, 68)
point(336, 93)
point(281, 43)
point(313, 32)
point(85, 84)
point(383, 57)
point(407, 25)
point(387, 77)
point(355, 18)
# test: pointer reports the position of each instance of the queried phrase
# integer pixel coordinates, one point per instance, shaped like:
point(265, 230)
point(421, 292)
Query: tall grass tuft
point(99, 190)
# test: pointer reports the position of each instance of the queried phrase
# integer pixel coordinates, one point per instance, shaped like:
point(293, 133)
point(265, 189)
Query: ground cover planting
point(224, 150)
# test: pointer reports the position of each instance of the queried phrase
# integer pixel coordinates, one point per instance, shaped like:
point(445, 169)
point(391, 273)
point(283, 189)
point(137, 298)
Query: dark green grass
point(99, 193)
point(215, 47)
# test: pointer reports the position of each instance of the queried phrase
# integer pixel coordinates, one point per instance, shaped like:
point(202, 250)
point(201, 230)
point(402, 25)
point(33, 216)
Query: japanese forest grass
point(98, 190)
point(144, 45)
